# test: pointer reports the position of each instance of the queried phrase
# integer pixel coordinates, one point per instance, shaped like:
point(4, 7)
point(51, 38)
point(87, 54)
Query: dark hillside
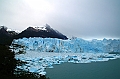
point(47, 32)
point(5, 37)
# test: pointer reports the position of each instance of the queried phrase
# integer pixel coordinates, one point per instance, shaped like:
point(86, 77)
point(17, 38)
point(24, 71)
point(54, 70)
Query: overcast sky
point(80, 18)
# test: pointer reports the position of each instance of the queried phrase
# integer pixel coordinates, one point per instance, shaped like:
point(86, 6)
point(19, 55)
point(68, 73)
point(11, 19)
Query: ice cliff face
point(75, 45)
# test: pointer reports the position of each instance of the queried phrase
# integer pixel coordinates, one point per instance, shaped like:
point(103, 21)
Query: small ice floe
point(42, 73)
point(33, 69)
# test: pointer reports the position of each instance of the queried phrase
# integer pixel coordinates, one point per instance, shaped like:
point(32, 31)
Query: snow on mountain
point(3, 27)
point(40, 31)
point(40, 28)
point(5, 32)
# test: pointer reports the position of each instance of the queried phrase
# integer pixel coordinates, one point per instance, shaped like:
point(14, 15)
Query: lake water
point(95, 70)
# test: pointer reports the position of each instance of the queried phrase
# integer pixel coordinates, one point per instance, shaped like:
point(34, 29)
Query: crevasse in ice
point(76, 45)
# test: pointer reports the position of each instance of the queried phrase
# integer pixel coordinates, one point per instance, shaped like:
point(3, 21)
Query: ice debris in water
point(36, 62)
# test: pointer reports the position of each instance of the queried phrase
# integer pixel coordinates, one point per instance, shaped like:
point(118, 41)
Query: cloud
point(81, 18)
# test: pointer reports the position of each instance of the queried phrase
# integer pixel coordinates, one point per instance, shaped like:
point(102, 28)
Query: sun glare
point(39, 5)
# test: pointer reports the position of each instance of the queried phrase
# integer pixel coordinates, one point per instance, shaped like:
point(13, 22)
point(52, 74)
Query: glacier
point(41, 53)
point(75, 45)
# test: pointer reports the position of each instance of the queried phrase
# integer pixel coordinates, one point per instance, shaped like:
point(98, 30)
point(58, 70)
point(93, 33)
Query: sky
point(78, 18)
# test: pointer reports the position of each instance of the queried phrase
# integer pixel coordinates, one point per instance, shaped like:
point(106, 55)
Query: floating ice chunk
point(32, 69)
point(42, 73)
point(50, 67)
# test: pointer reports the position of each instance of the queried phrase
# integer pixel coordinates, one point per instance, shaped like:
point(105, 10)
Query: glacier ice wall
point(75, 45)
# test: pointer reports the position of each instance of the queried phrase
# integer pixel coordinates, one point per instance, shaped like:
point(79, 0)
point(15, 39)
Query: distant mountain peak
point(7, 35)
point(41, 31)
point(38, 28)
point(48, 26)
point(30, 29)
point(3, 27)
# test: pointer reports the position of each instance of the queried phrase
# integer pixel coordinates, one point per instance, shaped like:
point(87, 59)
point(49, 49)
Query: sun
point(39, 5)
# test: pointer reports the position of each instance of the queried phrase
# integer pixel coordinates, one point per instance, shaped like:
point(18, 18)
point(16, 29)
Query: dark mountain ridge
point(46, 31)
point(5, 37)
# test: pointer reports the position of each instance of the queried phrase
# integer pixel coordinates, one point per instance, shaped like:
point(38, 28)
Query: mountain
point(44, 32)
point(5, 36)
point(3, 32)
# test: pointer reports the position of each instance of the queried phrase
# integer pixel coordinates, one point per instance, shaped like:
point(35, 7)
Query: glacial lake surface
point(95, 70)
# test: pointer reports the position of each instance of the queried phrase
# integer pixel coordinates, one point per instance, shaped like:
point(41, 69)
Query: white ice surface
point(76, 45)
point(38, 61)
